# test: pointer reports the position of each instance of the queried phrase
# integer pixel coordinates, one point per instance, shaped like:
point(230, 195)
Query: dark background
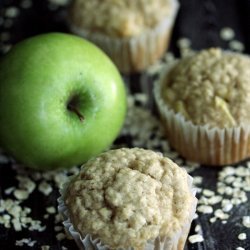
point(198, 20)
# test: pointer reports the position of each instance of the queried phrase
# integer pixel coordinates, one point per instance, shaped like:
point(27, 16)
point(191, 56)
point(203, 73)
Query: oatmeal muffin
point(134, 33)
point(204, 103)
point(130, 198)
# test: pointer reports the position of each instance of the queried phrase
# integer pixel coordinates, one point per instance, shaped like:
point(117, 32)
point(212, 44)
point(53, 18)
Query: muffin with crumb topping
point(134, 33)
point(204, 103)
point(129, 198)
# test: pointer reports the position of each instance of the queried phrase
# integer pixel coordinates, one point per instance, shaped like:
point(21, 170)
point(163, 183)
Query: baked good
point(134, 33)
point(128, 198)
point(204, 101)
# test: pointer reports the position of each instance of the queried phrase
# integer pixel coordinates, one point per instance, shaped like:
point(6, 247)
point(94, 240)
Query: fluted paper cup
point(88, 242)
point(201, 143)
point(136, 53)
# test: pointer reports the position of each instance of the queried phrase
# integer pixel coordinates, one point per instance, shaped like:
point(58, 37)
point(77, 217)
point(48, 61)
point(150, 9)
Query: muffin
point(134, 33)
point(129, 198)
point(204, 104)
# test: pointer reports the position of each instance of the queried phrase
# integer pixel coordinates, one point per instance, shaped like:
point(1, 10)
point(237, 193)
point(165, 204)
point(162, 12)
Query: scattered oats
point(197, 180)
point(242, 171)
point(36, 225)
point(214, 200)
point(227, 207)
point(58, 218)
point(192, 164)
point(142, 98)
point(242, 236)
point(195, 238)
point(169, 57)
point(74, 170)
point(184, 43)
point(23, 242)
point(195, 216)
point(236, 201)
point(229, 179)
point(224, 222)
point(9, 190)
point(172, 155)
point(227, 34)
point(64, 248)
point(185, 52)
point(45, 247)
point(6, 48)
point(213, 219)
point(238, 183)
point(46, 216)
point(26, 183)
point(17, 225)
point(229, 170)
point(32, 243)
point(26, 4)
point(36, 176)
point(51, 210)
point(246, 221)
point(179, 161)
point(228, 190)
point(220, 214)
point(203, 200)
point(45, 188)
point(198, 190)
point(240, 248)
point(236, 45)
point(21, 194)
point(208, 192)
point(155, 68)
point(60, 236)
point(197, 228)
point(59, 2)
point(12, 12)
point(205, 209)
point(58, 228)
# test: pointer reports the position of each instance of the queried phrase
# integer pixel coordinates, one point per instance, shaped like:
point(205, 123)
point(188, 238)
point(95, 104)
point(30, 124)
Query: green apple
point(62, 101)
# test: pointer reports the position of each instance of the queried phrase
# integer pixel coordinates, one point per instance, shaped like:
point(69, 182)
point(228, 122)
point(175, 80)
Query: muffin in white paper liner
point(200, 143)
point(136, 53)
point(87, 242)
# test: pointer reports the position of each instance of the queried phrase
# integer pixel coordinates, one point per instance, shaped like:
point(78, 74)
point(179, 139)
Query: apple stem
point(72, 108)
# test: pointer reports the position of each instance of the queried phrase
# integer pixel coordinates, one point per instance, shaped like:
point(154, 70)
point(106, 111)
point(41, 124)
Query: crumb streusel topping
point(128, 196)
point(119, 18)
point(211, 87)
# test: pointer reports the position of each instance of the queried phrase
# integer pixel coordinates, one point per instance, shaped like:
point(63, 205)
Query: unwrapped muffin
point(204, 102)
point(134, 33)
point(129, 198)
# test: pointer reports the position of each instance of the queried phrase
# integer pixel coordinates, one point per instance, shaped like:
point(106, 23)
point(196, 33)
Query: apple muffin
point(129, 198)
point(134, 33)
point(204, 104)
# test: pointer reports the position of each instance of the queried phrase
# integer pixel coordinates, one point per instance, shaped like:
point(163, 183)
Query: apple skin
point(41, 78)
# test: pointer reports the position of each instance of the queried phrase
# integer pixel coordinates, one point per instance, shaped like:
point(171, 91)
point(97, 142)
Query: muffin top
point(127, 196)
point(210, 88)
point(118, 18)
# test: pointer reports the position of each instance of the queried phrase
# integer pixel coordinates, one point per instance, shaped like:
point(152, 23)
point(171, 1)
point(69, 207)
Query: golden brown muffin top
point(118, 18)
point(211, 87)
point(128, 196)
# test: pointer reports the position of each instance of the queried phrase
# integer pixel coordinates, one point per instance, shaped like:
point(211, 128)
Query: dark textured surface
point(200, 21)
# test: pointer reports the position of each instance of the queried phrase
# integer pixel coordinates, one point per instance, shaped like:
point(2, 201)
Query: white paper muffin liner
point(87, 242)
point(136, 53)
point(209, 146)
